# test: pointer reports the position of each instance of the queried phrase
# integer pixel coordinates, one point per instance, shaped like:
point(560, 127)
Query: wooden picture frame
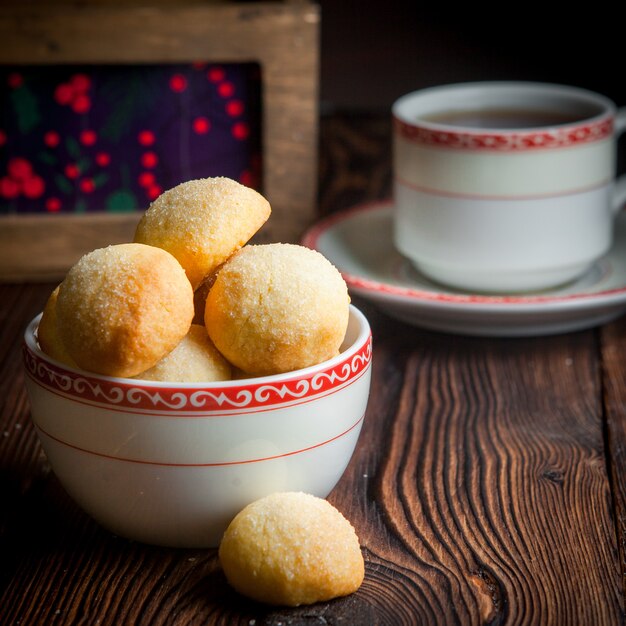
point(282, 37)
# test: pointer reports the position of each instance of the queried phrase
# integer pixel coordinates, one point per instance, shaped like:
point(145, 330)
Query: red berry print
point(153, 192)
point(80, 83)
point(146, 138)
point(201, 125)
point(246, 178)
point(21, 179)
point(149, 160)
point(52, 139)
point(234, 108)
point(146, 179)
point(15, 80)
point(103, 159)
point(226, 89)
point(72, 171)
point(216, 74)
point(9, 188)
point(88, 137)
point(19, 169)
point(64, 94)
point(3, 137)
point(34, 187)
point(81, 104)
point(240, 131)
point(74, 93)
point(53, 205)
point(178, 83)
point(198, 65)
point(87, 185)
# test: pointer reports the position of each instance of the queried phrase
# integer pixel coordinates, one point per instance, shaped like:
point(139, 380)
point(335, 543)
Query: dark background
point(373, 52)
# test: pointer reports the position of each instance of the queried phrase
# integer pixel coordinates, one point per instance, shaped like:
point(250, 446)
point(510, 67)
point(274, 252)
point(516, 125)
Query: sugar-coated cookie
point(48, 335)
point(121, 309)
point(276, 308)
point(202, 222)
point(194, 360)
point(290, 549)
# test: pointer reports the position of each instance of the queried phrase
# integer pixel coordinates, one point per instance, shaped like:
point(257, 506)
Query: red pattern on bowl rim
point(189, 399)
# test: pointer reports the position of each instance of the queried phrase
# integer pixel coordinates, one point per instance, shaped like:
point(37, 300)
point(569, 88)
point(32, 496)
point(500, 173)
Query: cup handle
point(619, 191)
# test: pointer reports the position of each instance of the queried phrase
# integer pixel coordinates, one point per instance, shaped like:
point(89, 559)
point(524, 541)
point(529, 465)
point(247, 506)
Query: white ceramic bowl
point(171, 464)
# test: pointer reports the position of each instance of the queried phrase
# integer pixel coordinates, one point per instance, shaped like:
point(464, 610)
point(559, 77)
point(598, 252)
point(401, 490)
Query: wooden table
point(488, 486)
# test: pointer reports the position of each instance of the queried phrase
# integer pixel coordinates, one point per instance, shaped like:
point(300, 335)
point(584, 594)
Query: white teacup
point(505, 186)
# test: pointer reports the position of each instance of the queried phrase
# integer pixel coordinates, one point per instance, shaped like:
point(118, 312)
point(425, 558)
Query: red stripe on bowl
point(218, 464)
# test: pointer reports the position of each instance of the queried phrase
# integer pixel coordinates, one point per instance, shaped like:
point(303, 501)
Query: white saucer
point(359, 243)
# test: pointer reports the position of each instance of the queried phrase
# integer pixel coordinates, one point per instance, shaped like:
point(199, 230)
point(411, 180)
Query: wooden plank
point(43, 248)
point(486, 495)
point(282, 37)
point(614, 375)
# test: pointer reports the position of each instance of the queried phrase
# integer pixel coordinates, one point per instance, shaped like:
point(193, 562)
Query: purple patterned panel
point(77, 139)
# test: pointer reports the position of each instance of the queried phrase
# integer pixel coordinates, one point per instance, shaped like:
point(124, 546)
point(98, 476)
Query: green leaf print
point(63, 184)
point(121, 201)
point(83, 164)
point(47, 157)
point(26, 109)
point(130, 100)
point(73, 147)
point(100, 180)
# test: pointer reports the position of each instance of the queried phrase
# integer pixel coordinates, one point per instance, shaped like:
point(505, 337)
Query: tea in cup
point(505, 186)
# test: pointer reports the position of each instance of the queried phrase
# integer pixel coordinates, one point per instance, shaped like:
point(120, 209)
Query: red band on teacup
point(431, 191)
point(507, 141)
point(135, 397)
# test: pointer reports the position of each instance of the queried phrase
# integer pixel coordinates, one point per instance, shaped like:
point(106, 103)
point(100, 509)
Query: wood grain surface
point(488, 485)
